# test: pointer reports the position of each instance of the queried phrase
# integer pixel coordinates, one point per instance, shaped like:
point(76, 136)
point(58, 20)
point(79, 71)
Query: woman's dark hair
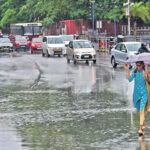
point(142, 63)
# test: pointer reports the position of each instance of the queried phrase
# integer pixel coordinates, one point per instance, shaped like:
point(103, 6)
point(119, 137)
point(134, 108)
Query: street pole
point(115, 26)
point(93, 1)
point(129, 18)
point(127, 5)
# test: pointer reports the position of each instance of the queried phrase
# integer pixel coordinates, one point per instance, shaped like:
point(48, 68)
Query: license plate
point(86, 56)
point(58, 50)
point(22, 45)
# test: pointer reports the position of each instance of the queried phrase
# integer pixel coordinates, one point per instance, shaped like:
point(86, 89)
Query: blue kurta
point(140, 94)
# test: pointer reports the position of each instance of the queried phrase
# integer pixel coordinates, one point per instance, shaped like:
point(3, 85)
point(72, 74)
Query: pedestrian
point(140, 94)
point(143, 49)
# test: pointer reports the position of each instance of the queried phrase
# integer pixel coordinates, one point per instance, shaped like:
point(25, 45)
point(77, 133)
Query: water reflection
point(85, 79)
point(72, 108)
point(142, 142)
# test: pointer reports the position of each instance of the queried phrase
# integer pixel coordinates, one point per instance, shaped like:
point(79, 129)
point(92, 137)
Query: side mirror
point(71, 46)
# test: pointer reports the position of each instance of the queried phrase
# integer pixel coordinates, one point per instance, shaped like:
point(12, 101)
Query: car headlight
point(77, 53)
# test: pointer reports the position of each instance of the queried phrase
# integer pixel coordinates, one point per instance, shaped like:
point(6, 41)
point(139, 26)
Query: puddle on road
point(74, 108)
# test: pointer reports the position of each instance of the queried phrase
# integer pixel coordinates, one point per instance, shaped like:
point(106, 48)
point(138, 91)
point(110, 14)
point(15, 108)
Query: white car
point(80, 50)
point(52, 45)
point(122, 51)
point(66, 39)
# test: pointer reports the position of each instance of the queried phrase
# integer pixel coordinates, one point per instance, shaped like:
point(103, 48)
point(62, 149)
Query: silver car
point(81, 50)
point(5, 45)
point(122, 51)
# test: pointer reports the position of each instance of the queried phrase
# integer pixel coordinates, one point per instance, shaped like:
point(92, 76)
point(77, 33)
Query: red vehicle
point(29, 30)
point(36, 45)
point(20, 43)
point(69, 27)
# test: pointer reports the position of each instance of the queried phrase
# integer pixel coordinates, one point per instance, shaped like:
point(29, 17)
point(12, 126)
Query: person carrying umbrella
point(140, 94)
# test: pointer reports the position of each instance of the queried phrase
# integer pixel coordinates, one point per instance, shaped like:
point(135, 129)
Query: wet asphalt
point(47, 104)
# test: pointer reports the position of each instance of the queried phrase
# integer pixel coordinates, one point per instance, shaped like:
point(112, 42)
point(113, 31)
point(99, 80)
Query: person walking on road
point(143, 49)
point(140, 94)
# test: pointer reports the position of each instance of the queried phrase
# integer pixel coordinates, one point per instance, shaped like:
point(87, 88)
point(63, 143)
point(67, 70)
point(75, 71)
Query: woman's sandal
point(141, 130)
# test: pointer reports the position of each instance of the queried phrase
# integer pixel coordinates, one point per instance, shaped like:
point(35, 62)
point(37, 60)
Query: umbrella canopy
point(145, 57)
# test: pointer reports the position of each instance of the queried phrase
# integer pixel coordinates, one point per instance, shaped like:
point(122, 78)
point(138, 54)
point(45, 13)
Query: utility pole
point(129, 31)
point(92, 5)
point(115, 26)
point(127, 5)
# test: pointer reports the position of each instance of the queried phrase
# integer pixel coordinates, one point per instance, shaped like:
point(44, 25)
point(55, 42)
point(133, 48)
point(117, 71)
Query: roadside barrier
point(103, 45)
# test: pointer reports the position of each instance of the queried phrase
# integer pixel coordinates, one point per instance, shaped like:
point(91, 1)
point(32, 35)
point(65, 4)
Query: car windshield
point(38, 40)
point(82, 44)
point(67, 37)
point(4, 40)
point(55, 40)
point(133, 47)
point(21, 39)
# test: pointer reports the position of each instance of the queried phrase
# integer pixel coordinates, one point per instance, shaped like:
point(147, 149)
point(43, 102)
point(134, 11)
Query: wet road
point(47, 104)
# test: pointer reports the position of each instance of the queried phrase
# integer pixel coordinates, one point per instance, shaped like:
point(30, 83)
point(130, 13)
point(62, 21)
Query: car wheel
point(43, 53)
point(48, 55)
point(68, 60)
point(94, 61)
point(58, 55)
point(31, 52)
point(74, 61)
point(87, 62)
point(10, 51)
point(14, 48)
point(113, 62)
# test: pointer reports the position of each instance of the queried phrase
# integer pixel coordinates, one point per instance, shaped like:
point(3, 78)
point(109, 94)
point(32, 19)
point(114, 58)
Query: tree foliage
point(49, 11)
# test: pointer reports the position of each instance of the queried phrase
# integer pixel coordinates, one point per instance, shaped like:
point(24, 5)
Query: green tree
point(139, 11)
point(50, 11)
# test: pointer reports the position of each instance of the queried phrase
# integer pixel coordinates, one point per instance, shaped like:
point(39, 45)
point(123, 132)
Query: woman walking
point(140, 94)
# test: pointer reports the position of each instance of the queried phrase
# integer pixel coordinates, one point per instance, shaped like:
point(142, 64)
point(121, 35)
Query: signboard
point(99, 24)
point(127, 11)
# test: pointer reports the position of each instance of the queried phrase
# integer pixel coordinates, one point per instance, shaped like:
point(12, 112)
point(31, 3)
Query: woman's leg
point(142, 118)
point(142, 123)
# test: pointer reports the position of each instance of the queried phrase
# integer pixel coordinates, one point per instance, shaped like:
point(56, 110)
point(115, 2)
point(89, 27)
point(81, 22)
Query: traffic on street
point(49, 104)
point(74, 75)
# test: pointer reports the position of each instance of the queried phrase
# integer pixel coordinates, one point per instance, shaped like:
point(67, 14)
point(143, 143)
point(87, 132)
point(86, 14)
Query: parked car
point(52, 45)
point(5, 45)
point(36, 45)
point(20, 43)
point(122, 51)
point(66, 39)
point(81, 50)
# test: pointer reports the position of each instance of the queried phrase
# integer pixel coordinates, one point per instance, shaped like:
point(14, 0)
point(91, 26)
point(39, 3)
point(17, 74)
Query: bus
point(29, 30)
